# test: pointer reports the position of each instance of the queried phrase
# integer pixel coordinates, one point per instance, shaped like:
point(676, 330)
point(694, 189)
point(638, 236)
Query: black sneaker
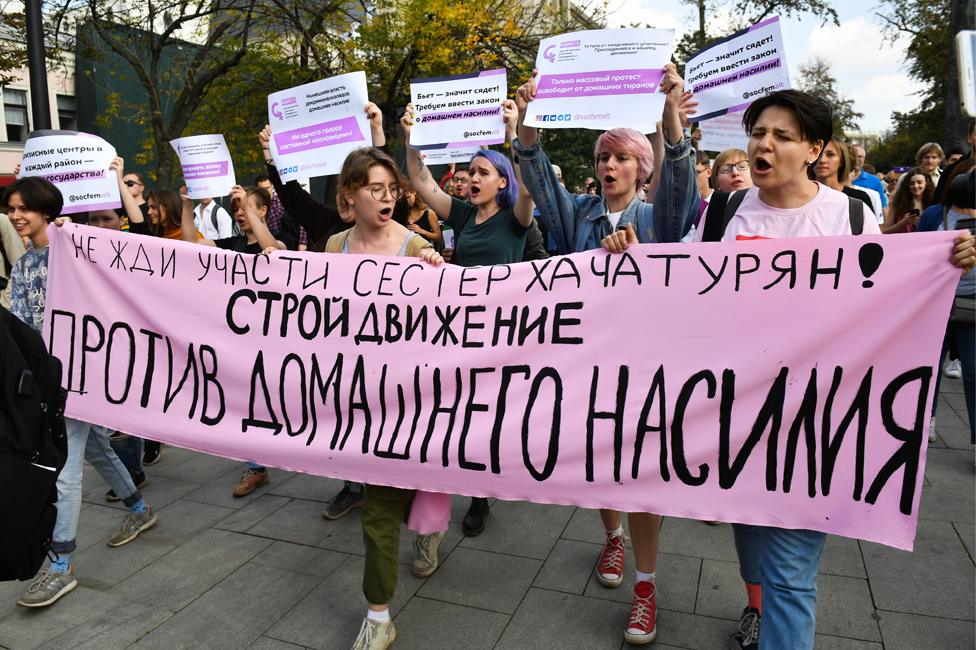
point(139, 480)
point(474, 519)
point(347, 499)
point(747, 636)
point(151, 452)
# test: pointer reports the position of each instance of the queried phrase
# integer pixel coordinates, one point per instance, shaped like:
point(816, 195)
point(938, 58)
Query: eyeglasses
point(461, 180)
point(132, 183)
point(702, 170)
point(741, 166)
point(378, 192)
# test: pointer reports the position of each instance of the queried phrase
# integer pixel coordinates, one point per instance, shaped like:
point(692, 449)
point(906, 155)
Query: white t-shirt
point(204, 221)
point(614, 218)
point(826, 214)
point(875, 202)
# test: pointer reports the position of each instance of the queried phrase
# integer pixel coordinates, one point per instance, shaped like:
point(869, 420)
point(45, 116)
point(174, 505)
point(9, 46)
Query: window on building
point(15, 114)
point(67, 117)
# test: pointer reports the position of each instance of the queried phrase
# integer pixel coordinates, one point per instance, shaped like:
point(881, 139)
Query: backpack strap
point(855, 212)
point(945, 217)
point(721, 208)
point(213, 218)
point(336, 242)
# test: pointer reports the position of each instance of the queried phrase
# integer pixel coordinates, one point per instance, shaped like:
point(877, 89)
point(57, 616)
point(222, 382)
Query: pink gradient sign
point(784, 383)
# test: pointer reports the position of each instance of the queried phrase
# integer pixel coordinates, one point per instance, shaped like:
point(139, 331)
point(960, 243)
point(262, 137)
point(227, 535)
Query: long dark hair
point(901, 200)
point(172, 205)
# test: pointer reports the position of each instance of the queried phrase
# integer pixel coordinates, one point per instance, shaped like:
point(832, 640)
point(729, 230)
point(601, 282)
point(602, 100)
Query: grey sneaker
point(374, 635)
point(343, 502)
point(47, 587)
point(132, 525)
point(425, 563)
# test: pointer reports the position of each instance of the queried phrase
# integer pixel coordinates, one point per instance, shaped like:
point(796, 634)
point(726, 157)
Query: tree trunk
point(956, 122)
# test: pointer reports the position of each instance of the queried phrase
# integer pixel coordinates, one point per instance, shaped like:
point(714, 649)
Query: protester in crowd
point(211, 220)
point(31, 204)
point(129, 448)
point(422, 220)
point(370, 183)
point(281, 225)
point(834, 168)
point(622, 158)
point(558, 171)
point(913, 194)
point(953, 155)
point(730, 171)
point(11, 248)
point(490, 229)
point(165, 209)
point(461, 183)
point(864, 179)
point(929, 160)
point(135, 184)
point(787, 132)
point(932, 219)
point(250, 211)
point(321, 222)
point(891, 182)
point(970, 138)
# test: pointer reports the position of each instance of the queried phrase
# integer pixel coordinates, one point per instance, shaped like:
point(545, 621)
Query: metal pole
point(37, 70)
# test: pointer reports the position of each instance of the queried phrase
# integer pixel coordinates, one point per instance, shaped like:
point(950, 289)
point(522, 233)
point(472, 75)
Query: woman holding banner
point(370, 184)
point(787, 133)
point(490, 227)
point(623, 160)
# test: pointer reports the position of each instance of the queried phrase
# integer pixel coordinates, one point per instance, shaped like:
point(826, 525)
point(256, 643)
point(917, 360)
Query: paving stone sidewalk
point(267, 572)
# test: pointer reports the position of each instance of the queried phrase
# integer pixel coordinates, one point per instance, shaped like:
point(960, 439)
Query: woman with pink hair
point(578, 222)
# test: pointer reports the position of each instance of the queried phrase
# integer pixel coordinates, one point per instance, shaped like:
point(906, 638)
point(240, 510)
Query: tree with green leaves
point(816, 79)
point(931, 61)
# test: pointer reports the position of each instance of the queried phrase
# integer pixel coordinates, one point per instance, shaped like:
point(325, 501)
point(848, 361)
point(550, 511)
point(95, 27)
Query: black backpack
point(722, 207)
point(33, 447)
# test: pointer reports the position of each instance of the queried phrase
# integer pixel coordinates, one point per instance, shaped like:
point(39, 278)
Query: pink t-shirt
point(826, 214)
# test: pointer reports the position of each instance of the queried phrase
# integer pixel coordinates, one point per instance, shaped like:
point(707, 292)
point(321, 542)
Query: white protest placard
point(435, 155)
point(315, 126)
point(77, 164)
point(455, 115)
point(730, 74)
point(723, 132)
point(208, 170)
point(601, 79)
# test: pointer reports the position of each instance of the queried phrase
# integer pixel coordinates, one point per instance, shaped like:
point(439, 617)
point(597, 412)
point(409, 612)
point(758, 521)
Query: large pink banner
point(784, 383)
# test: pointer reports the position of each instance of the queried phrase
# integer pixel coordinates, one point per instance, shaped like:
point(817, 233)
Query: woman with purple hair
point(623, 160)
point(490, 227)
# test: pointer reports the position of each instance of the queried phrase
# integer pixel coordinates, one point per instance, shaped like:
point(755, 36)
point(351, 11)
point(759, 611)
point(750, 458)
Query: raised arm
point(375, 117)
point(676, 199)
point(188, 229)
point(421, 180)
point(523, 204)
point(527, 135)
point(128, 201)
point(258, 226)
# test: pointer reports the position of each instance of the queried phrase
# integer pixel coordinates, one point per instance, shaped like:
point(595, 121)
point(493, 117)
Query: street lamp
point(36, 68)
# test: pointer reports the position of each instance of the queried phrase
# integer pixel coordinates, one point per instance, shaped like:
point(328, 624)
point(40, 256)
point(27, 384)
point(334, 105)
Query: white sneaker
point(374, 635)
point(953, 369)
point(932, 436)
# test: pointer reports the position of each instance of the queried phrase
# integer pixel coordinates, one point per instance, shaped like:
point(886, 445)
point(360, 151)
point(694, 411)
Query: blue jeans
point(129, 450)
point(86, 442)
point(785, 563)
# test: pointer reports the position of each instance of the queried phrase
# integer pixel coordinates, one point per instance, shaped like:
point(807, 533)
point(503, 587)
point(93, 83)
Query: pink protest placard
point(783, 383)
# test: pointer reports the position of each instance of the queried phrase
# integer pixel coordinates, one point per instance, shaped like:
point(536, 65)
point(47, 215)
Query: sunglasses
point(132, 183)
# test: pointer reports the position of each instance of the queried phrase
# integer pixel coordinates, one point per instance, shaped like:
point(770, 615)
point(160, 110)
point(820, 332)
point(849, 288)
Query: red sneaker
point(642, 626)
point(610, 568)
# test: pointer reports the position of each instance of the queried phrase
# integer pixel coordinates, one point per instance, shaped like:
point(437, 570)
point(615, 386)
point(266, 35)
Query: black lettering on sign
point(552, 453)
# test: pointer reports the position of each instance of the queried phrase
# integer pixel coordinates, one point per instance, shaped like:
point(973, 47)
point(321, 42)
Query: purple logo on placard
point(275, 111)
point(548, 54)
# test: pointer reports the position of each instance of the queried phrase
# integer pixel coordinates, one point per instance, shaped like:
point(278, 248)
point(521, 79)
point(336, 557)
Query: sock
point(619, 532)
point(61, 564)
point(754, 592)
point(645, 577)
point(382, 617)
point(139, 507)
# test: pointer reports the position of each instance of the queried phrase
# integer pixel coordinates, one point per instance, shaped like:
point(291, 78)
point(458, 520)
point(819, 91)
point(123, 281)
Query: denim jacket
point(577, 222)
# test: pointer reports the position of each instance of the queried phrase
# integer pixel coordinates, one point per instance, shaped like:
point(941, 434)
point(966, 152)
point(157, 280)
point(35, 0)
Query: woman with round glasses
point(730, 171)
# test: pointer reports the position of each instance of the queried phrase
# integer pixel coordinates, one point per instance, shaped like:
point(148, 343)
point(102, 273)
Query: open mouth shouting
point(608, 181)
point(761, 166)
point(474, 190)
point(386, 213)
